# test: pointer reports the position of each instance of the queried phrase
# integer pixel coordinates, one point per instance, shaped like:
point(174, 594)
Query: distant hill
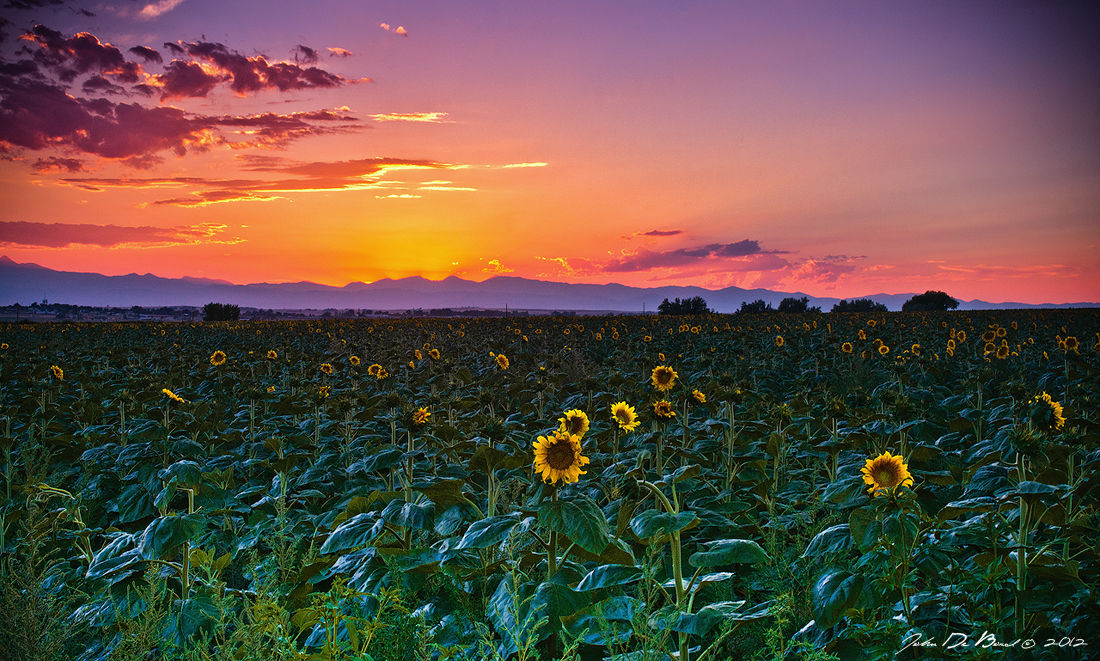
point(27, 283)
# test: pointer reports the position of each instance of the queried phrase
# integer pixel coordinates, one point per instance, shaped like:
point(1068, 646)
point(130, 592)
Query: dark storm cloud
point(305, 55)
point(60, 235)
point(147, 54)
point(57, 164)
point(644, 260)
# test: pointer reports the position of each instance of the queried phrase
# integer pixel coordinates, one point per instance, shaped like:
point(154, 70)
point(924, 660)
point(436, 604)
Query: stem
point(552, 550)
point(677, 563)
point(1021, 553)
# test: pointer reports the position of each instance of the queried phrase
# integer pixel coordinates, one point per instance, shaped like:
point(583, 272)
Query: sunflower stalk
point(1021, 551)
point(682, 603)
point(122, 423)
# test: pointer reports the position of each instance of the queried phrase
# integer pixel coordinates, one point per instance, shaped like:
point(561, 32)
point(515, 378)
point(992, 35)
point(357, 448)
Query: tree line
point(926, 302)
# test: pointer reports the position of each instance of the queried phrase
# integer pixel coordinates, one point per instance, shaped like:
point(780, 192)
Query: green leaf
point(444, 493)
point(834, 593)
point(409, 515)
point(359, 530)
point(166, 533)
point(729, 552)
point(579, 519)
point(606, 576)
point(487, 458)
point(556, 600)
point(652, 523)
point(708, 617)
point(836, 539)
point(865, 528)
point(491, 531)
point(955, 508)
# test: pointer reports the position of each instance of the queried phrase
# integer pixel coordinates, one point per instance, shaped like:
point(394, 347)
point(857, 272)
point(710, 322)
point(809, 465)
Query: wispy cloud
point(653, 233)
point(60, 235)
point(425, 117)
point(495, 266)
point(400, 29)
point(336, 51)
point(155, 9)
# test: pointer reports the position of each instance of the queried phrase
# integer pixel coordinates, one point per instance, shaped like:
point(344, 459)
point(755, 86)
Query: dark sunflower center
point(885, 476)
point(575, 425)
point(622, 415)
point(663, 377)
point(560, 455)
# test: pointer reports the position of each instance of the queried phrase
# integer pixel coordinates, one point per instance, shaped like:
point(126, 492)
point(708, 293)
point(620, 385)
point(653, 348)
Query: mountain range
point(26, 283)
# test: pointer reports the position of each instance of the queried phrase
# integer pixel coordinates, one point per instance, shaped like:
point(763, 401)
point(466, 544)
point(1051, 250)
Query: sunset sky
point(834, 148)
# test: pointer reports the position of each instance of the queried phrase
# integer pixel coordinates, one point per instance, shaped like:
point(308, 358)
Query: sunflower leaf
point(728, 552)
point(579, 519)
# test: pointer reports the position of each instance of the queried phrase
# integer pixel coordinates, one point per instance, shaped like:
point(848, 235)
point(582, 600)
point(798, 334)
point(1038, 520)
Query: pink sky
point(838, 149)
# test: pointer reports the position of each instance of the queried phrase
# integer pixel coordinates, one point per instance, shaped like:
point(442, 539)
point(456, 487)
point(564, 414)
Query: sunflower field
point(772, 486)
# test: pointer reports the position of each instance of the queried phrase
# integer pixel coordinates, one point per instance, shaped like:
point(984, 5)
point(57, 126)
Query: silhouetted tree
point(220, 312)
point(756, 307)
point(793, 305)
point(859, 305)
point(930, 301)
point(693, 305)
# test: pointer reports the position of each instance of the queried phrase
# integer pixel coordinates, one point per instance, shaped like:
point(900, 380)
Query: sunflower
point(861, 334)
point(57, 372)
point(663, 378)
point(573, 422)
point(558, 458)
point(217, 358)
point(325, 391)
point(173, 396)
point(624, 414)
point(662, 408)
point(374, 370)
point(502, 361)
point(434, 354)
point(1002, 351)
point(950, 345)
point(1046, 413)
point(699, 396)
point(915, 349)
point(271, 388)
point(412, 365)
point(421, 415)
point(779, 341)
point(326, 368)
point(989, 336)
point(1071, 344)
point(354, 360)
point(271, 355)
point(885, 473)
point(417, 354)
point(883, 349)
point(382, 374)
point(961, 336)
point(661, 356)
point(846, 347)
point(872, 323)
point(647, 338)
